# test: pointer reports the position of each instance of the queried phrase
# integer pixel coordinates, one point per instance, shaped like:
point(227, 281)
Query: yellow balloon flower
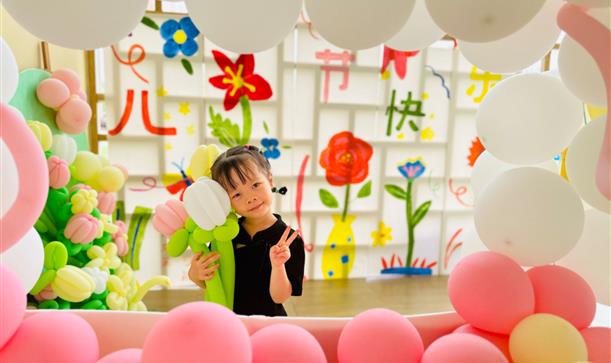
point(202, 160)
point(125, 293)
point(84, 201)
point(104, 258)
point(42, 133)
point(72, 284)
point(108, 225)
point(546, 338)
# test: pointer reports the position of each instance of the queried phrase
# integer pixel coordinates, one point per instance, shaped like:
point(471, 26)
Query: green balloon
point(190, 224)
point(45, 279)
point(178, 243)
point(93, 305)
point(202, 236)
point(63, 304)
point(48, 304)
point(56, 256)
point(101, 296)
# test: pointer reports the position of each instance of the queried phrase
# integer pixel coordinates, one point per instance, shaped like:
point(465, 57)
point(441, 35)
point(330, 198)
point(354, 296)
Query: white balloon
point(25, 258)
point(9, 72)
point(358, 24)
point(64, 147)
point(419, 32)
point(520, 49)
point(487, 167)
point(579, 71)
point(9, 179)
point(245, 26)
point(78, 24)
point(592, 3)
point(590, 258)
point(581, 160)
point(207, 203)
point(482, 20)
point(528, 118)
point(530, 215)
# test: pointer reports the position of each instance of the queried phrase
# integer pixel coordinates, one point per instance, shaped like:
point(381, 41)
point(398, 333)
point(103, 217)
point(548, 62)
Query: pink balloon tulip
point(12, 304)
point(491, 292)
point(59, 174)
point(52, 92)
point(169, 217)
point(562, 292)
point(379, 335)
point(281, 343)
point(196, 332)
point(53, 336)
point(81, 228)
point(462, 348)
point(107, 202)
point(120, 238)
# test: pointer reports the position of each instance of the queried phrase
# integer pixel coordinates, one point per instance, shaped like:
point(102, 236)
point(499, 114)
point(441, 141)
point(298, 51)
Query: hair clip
point(281, 190)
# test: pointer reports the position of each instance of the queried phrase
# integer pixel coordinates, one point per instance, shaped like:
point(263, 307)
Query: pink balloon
point(131, 355)
point(594, 37)
point(123, 170)
point(81, 228)
point(280, 343)
point(73, 117)
point(69, 78)
point(169, 217)
point(52, 92)
point(379, 335)
point(120, 238)
point(32, 173)
point(500, 341)
point(462, 348)
point(82, 95)
point(107, 201)
point(491, 292)
point(198, 332)
point(12, 304)
point(52, 336)
point(562, 292)
point(598, 340)
point(59, 174)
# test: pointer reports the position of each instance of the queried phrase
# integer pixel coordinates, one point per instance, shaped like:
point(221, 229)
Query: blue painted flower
point(179, 37)
point(271, 150)
point(412, 168)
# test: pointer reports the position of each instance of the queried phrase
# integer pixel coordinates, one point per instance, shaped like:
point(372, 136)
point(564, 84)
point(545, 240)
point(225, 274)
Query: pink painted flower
point(59, 174)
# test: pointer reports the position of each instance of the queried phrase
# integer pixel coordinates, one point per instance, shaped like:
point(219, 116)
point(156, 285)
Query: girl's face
point(253, 197)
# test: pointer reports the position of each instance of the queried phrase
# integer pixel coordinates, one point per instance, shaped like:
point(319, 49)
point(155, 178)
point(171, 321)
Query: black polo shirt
point(253, 270)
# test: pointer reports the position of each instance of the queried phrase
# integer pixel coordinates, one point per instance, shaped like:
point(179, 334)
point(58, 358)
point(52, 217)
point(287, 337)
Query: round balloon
point(598, 341)
point(482, 20)
point(13, 302)
point(529, 214)
point(255, 25)
point(590, 257)
point(27, 172)
point(64, 147)
point(29, 248)
point(10, 72)
point(562, 292)
point(581, 161)
point(279, 343)
point(419, 32)
point(528, 118)
point(534, 40)
point(78, 24)
point(207, 203)
point(130, 355)
point(578, 69)
point(501, 341)
point(487, 167)
point(394, 337)
point(491, 292)
point(358, 24)
point(546, 338)
point(592, 3)
point(462, 348)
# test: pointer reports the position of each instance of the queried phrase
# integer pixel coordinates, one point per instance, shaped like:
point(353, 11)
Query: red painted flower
point(346, 159)
point(400, 59)
point(239, 80)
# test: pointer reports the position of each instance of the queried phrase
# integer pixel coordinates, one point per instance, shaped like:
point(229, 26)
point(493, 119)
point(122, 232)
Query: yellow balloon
point(546, 338)
point(202, 160)
point(73, 284)
point(85, 165)
point(42, 133)
point(110, 179)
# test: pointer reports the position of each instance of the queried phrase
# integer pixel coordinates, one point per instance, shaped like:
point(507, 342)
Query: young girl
point(269, 255)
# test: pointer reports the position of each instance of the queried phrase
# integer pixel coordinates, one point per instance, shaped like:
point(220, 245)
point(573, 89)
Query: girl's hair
point(240, 159)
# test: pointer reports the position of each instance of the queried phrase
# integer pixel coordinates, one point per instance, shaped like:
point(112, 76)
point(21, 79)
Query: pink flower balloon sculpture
point(107, 202)
point(81, 228)
point(120, 238)
point(62, 92)
point(169, 217)
point(59, 174)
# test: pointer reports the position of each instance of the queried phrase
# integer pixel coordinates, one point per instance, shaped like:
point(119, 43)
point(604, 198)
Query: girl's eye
point(235, 196)
point(256, 185)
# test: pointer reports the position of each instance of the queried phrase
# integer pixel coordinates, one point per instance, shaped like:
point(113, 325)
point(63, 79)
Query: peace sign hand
point(280, 252)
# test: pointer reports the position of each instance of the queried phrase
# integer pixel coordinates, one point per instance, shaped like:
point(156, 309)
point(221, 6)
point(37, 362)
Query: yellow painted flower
point(427, 134)
point(104, 258)
point(125, 293)
point(381, 235)
point(84, 201)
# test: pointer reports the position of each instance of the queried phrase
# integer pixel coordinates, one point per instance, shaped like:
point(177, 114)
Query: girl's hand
point(280, 252)
point(203, 267)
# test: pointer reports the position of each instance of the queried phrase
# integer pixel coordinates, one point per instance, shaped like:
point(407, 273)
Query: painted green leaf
point(286, 146)
point(395, 191)
point(266, 127)
point(149, 22)
point(421, 212)
point(226, 131)
point(187, 66)
point(327, 198)
point(365, 190)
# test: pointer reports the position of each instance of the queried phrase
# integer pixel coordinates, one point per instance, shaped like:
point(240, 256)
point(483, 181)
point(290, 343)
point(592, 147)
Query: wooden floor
point(339, 298)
